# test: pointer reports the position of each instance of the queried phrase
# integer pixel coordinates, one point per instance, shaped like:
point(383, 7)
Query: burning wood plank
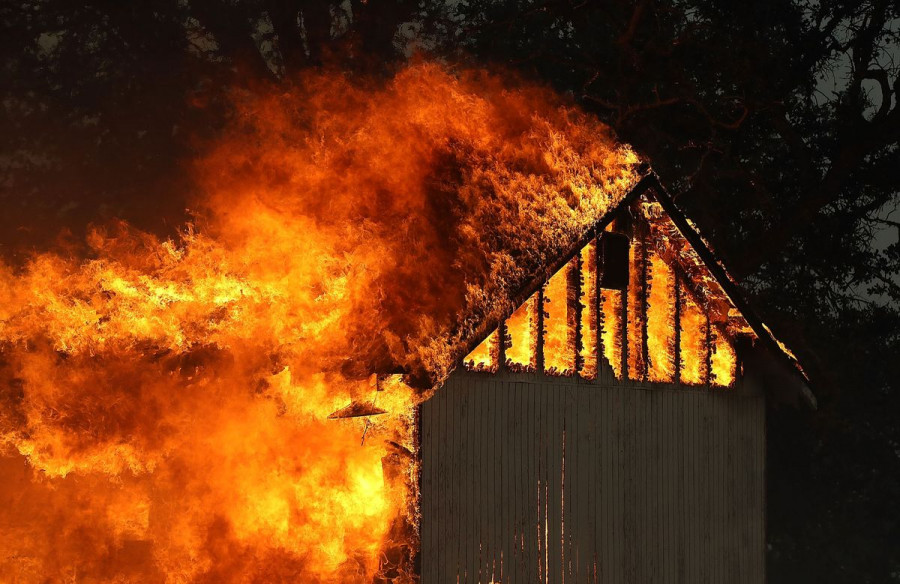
point(357, 409)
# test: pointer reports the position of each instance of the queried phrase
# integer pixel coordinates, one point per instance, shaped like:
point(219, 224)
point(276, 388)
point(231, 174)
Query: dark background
point(776, 124)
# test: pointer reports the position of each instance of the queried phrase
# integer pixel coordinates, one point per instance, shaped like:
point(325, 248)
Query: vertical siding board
point(639, 459)
point(760, 498)
point(643, 532)
point(600, 411)
point(732, 453)
point(554, 469)
point(489, 469)
point(487, 513)
point(601, 529)
point(658, 486)
point(608, 536)
point(677, 482)
point(621, 438)
point(632, 462)
point(666, 486)
point(581, 510)
point(692, 456)
point(509, 431)
point(573, 479)
point(529, 573)
point(455, 445)
point(474, 514)
point(506, 431)
point(529, 570)
point(483, 513)
point(499, 531)
point(607, 440)
point(713, 478)
point(742, 489)
point(716, 490)
point(516, 484)
point(681, 494)
point(706, 509)
point(446, 484)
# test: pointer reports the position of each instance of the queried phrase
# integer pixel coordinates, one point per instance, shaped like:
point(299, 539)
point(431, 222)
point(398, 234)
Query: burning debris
point(165, 403)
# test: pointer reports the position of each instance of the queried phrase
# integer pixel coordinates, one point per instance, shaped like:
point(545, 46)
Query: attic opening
point(636, 299)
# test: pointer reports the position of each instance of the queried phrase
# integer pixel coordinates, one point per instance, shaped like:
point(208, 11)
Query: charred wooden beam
point(678, 301)
point(598, 304)
point(575, 285)
point(708, 347)
point(644, 266)
point(539, 331)
point(503, 338)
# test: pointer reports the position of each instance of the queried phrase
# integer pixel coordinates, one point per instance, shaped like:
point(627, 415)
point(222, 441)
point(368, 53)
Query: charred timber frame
point(536, 283)
point(676, 375)
point(649, 184)
point(728, 285)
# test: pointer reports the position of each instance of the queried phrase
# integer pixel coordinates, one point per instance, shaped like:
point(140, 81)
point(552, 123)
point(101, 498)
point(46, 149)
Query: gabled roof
point(694, 256)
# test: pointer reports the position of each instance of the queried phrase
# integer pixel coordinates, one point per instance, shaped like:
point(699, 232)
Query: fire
point(484, 357)
point(611, 303)
point(559, 342)
point(165, 401)
point(693, 343)
point(589, 318)
point(522, 332)
point(637, 309)
point(661, 320)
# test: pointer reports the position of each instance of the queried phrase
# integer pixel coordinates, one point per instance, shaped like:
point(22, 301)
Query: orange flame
point(723, 360)
point(163, 417)
point(559, 343)
point(611, 329)
point(589, 318)
point(661, 320)
point(693, 342)
point(521, 329)
point(637, 368)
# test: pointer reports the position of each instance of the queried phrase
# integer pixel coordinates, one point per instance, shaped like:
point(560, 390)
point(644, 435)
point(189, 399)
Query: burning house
point(612, 427)
point(571, 388)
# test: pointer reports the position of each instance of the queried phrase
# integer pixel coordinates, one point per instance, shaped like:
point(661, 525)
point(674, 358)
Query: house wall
point(528, 478)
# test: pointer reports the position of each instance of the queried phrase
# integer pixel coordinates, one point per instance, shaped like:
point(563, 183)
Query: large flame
point(164, 402)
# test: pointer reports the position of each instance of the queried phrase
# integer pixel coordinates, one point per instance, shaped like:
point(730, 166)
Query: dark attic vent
point(613, 253)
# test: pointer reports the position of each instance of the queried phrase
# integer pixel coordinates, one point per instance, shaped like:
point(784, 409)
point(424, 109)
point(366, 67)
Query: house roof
point(696, 256)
